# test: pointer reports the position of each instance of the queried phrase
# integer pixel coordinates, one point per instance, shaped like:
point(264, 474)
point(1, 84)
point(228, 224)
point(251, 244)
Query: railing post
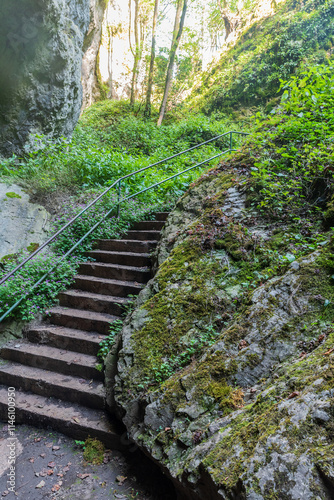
point(231, 141)
point(119, 199)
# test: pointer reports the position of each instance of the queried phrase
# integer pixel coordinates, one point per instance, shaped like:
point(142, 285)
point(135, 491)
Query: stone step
point(115, 271)
point(75, 421)
point(125, 258)
point(147, 225)
point(107, 287)
point(79, 299)
point(52, 384)
point(128, 245)
point(142, 235)
point(65, 338)
point(162, 216)
point(80, 319)
point(54, 359)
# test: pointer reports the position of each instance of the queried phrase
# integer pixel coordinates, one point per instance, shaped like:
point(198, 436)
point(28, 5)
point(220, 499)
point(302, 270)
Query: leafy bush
point(21, 284)
point(294, 148)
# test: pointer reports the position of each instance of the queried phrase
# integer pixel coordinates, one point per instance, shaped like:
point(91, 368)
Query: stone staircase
point(53, 369)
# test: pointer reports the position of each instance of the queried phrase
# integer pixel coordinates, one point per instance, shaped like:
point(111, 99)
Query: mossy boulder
point(223, 373)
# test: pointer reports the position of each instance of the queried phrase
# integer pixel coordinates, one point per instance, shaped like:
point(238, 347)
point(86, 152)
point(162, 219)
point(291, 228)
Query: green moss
point(94, 451)
point(11, 194)
point(8, 258)
point(33, 247)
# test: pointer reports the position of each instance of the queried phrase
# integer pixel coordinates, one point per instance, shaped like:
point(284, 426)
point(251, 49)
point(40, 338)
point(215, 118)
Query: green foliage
point(105, 345)
point(249, 73)
point(110, 142)
point(294, 149)
point(21, 283)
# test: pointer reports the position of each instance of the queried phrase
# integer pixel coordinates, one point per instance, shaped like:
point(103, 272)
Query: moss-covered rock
point(224, 370)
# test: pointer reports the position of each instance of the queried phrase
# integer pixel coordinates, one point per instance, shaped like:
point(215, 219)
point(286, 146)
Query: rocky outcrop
point(223, 374)
point(90, 70)
point(24, 225)
point(42, 50)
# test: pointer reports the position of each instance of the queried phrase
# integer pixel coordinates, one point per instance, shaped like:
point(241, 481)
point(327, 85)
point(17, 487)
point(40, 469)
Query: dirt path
point(51, 466)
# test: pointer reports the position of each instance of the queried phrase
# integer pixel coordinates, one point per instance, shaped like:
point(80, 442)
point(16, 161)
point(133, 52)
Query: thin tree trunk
point(178, 28)
point(147, 112)
point(137, 55)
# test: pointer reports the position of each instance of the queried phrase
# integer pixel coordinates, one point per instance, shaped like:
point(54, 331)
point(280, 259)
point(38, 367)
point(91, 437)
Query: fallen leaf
point(43, 473)
point(49, 445)
point(328, 352)
point(66, 469)
point(293, 395)
point(55, 448)
point(43, 455)
point(41, 484)
point(55, 488)
point(51, 464)
point(60, 474)
point(50, 472)
point(37, 440)
point(31, 460)
point(167, 429)
point(121, 479)
point(83, 476)
point(5, 493)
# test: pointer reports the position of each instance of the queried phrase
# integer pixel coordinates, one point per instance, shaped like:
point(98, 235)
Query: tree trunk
point(137, 55)
point(147, 112)
point(178, 28)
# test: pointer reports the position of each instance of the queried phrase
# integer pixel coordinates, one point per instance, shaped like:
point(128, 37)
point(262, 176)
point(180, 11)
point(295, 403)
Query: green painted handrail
point(120, 200)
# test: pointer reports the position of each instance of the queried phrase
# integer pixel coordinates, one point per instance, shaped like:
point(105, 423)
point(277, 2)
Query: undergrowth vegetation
point(111, 141)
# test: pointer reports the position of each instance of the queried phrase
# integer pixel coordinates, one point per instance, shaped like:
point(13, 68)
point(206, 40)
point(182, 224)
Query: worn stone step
point(70, 419)
point(90, 321)
point(147, 225)
point(79, 299)
point(52, 358)
point(162, 216)
point(52, 384)
point(143, 235)
point(124, 258)
point(115, 271)
point(126, 245)
point(66, 338)
point(107, 287)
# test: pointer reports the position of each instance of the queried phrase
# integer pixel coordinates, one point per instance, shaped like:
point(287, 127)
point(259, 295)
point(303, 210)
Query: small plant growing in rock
point(93, 451)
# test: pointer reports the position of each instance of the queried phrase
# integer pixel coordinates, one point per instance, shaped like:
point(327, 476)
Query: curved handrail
point(117, 205)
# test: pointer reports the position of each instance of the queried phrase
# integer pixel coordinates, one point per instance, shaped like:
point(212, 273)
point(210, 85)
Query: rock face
point(90, 71)
point(223, 374)
point(41, 57)
point(23, 224)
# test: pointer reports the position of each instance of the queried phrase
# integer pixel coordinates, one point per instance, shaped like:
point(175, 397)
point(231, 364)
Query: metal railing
point(120, 200)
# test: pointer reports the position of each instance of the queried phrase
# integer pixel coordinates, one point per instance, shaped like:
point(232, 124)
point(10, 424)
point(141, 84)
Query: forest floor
point(50, 465)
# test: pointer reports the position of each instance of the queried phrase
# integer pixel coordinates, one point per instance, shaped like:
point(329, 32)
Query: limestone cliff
point(41, 56)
